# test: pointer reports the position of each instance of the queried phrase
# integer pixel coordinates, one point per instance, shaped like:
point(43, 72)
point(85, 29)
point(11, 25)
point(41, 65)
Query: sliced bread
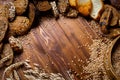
point(84, 6)
point(97, 7)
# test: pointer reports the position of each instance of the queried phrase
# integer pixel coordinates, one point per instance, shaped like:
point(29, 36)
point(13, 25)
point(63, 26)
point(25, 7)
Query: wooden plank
point(58, 44)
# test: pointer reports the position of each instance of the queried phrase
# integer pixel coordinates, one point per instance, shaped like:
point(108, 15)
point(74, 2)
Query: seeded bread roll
point(19, 26)
point(20, 6)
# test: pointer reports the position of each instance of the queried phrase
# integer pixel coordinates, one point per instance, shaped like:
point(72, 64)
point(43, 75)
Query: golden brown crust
point(84, 8)
point(19, 26)
point(20, 6)
point(4, 11)
point(72, 3)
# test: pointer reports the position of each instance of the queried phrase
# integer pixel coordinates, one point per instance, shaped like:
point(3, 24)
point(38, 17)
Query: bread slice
point(84, 7)
point(97, 7)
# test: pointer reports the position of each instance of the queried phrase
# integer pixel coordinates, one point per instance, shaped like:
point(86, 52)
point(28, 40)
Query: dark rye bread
point(84, 7)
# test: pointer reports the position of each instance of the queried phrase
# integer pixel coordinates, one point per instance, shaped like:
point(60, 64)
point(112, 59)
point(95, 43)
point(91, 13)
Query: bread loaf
point(84, 7)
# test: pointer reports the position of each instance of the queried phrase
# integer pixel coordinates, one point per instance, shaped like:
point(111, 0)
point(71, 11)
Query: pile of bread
point(106, 14)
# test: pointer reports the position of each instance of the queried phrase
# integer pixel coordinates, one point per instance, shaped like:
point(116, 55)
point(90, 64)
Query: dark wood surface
point(58, 45)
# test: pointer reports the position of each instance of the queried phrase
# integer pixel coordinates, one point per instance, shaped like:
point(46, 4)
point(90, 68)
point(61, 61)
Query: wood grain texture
point(58, 45)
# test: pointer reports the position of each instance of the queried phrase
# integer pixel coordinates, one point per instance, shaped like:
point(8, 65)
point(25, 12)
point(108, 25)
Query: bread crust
point(84, 8)
point(20, 6)
point(72, 3)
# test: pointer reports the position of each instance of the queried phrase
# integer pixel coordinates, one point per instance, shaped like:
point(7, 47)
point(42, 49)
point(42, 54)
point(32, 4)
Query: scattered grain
point(95, 69)
point(16, 76)
point(39, 74)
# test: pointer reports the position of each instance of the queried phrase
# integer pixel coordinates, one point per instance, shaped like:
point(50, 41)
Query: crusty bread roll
point(97, 7)
point(20, 6)
point(84, 6)
point(72, 3)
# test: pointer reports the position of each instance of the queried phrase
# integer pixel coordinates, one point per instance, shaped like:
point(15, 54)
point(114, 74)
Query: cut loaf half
point(97, 7)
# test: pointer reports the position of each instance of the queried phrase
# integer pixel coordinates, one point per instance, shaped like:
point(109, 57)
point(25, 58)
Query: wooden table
point(58, 45)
